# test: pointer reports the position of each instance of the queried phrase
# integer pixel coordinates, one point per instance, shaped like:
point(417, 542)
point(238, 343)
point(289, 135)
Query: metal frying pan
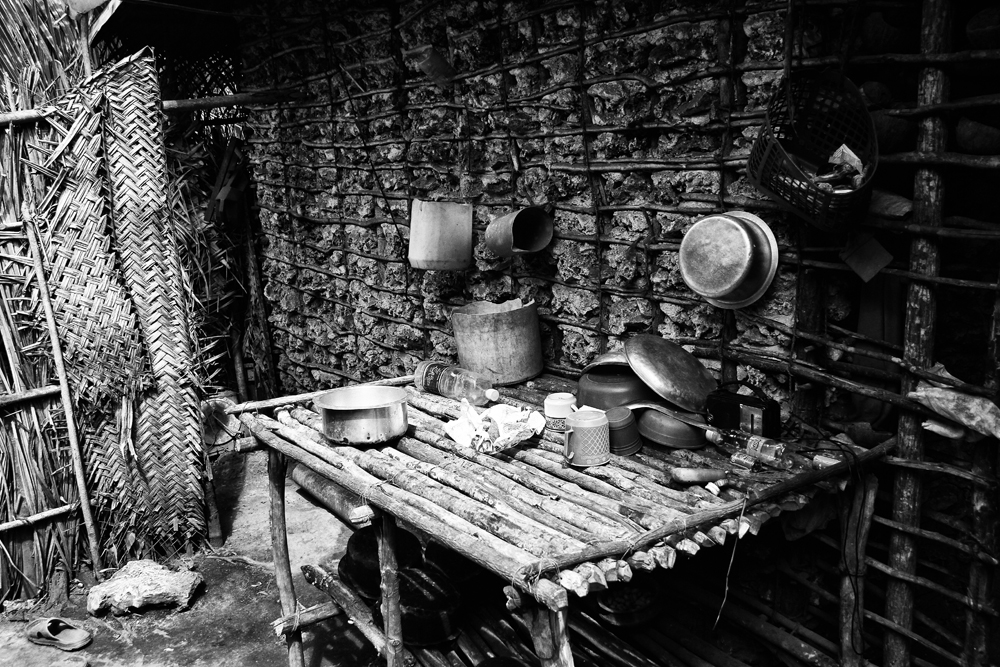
point(670, 370)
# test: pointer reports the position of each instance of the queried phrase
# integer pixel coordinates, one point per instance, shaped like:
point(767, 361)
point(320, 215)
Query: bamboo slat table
point(545, 528)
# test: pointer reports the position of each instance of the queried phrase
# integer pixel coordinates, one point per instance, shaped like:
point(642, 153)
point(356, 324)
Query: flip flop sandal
point(57, 632)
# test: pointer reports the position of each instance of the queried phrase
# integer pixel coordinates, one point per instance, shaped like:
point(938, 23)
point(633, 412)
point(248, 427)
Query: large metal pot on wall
point(363, 415)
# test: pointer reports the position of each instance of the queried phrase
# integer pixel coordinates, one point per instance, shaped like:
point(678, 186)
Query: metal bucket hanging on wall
point(440, 235)
point(521, 231)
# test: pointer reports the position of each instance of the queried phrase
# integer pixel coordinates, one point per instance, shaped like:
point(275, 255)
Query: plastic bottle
point(438, 377)
point(766, 450)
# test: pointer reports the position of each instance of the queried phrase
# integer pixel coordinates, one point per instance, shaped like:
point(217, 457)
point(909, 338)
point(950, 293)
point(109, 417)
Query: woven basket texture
point(102, 343)
point(169, 452)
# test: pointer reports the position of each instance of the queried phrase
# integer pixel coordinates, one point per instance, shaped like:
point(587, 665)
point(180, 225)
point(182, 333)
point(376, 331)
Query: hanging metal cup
point(522, 231)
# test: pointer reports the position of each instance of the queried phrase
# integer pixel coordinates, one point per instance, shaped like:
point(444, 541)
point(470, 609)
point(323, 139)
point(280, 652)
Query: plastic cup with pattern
point(586, 441)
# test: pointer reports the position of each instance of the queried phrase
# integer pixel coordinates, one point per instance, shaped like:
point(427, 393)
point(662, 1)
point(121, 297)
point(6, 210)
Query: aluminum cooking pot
point(363, 415)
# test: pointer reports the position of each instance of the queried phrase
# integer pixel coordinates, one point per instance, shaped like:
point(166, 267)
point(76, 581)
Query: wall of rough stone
point(630, 119)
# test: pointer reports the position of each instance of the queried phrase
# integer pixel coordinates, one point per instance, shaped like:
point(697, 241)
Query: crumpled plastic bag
point(974, 412)
point(497, 428)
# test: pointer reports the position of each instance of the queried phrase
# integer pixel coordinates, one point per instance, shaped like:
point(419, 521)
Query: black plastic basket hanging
point(808, 118)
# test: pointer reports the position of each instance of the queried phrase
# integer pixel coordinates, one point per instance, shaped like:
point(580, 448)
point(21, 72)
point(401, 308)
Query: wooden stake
point(549, 635)
point(855, 524)
point(391, 613)
point(279, 545)
point(305, 618)
point(918, 333)
point(353, 606)
point(67, 400)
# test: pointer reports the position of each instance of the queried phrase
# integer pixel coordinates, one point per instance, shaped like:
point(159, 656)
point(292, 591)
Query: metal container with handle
point(363, 415)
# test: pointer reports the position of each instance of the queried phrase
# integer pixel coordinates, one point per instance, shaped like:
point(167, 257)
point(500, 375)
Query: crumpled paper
point(499, 427)
point(974, 412)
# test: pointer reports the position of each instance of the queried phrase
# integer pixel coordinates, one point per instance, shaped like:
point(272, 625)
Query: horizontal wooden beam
point(28, 395)
point(41, 516)
point(27, 116)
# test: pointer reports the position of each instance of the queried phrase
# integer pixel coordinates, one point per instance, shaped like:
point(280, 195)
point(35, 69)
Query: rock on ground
point(143, 583)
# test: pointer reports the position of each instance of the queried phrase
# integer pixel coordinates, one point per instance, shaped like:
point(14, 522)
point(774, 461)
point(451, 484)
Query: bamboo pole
point(921, 313)
point(942, 159)
point(40, 516)
point(27, 116)
point(67, 401)
point(27, 395)
point(855, 523)
point(283, 401)
point(279, 545)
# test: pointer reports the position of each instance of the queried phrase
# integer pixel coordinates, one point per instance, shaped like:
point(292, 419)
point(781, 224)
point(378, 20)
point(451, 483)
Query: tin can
point(743, 460)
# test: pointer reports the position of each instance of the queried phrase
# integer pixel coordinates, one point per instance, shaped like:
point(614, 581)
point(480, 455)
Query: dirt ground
point(229, 621)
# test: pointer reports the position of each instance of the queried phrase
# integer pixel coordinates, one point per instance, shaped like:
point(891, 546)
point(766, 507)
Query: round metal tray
point(670, 370)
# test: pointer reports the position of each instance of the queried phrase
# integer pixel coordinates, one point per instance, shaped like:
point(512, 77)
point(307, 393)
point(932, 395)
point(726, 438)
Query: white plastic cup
point(557, 407)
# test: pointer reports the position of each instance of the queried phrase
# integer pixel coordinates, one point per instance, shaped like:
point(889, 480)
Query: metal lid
point(670, 370)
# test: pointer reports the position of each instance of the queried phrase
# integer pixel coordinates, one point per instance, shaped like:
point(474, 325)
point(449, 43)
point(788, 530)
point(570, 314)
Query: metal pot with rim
point(363, 415)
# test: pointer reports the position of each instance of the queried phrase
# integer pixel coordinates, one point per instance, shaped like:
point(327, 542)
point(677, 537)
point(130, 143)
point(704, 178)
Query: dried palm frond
point(35, 462)
point(39, 41)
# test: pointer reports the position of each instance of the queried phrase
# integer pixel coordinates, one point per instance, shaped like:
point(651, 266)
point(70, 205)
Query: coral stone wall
point(631, 120)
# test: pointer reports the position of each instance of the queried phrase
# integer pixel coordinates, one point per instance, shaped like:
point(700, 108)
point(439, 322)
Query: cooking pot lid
point(670, 370)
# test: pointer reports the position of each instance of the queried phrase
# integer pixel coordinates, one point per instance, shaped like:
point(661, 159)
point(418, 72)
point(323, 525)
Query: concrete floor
point(229, 622)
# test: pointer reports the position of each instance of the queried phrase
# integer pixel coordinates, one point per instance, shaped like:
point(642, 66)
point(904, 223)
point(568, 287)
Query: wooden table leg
point(549, 634)
point(390, 592)
point(279, 547)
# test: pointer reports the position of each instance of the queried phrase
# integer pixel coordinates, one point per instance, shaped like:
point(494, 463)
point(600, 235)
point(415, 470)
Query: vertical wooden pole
point(549, 634)
point(391, 614)
point(981, 631)
point(855, 523)
point(918, 332)
point(279, 546)
point(35, 246)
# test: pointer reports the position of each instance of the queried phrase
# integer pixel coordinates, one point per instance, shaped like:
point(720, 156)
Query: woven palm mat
point(114, 274)
point(63, 183)
point(101, 340)
point(169, 451)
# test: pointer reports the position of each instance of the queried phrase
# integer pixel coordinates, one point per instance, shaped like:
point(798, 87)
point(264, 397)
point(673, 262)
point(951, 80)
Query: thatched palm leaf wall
point(92, 177)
